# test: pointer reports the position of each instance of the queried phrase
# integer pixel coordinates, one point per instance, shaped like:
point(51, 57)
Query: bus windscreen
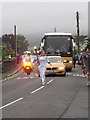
point(59, 44)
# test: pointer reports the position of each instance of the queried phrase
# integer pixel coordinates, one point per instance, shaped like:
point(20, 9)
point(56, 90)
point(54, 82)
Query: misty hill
point(33, 40)
point(36, 39)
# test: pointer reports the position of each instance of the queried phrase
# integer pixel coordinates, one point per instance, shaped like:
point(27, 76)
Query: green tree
point(22, 44)
point(3, 50)
point(8, 41)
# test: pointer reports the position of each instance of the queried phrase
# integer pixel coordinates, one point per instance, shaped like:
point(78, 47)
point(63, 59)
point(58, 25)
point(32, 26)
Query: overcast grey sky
point(38, 18)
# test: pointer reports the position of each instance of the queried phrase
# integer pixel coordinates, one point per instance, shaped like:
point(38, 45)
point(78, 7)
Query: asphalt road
point(61, 97)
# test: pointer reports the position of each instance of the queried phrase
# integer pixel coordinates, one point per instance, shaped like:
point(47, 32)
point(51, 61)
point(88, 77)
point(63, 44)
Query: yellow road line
point(10, 77)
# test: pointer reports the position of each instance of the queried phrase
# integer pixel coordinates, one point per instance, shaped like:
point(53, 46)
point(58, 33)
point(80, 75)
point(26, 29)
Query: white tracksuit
point(42, 67)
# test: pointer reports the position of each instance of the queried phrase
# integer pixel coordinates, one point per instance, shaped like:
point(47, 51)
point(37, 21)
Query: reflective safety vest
point(28, 58)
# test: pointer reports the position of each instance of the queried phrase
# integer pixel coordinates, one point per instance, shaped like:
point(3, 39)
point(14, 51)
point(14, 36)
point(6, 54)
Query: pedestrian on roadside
point(82, 61)
point(88, 66)
point(18, 58)
point(74, 60)
point(78, 58)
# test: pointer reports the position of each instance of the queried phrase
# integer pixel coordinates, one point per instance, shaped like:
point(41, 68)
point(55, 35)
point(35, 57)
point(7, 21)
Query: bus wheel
point(64, 74)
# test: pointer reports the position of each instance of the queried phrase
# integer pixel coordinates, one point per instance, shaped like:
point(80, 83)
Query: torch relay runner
point(42, 61)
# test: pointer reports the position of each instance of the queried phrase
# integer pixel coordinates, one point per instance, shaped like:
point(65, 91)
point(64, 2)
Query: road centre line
point(37, 89)
point(41, 87)
point(22, 97)
point(50, 81)
point(10, 103)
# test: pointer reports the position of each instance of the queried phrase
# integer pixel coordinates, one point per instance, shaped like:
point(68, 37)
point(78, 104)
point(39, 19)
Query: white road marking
point(10, 103)
point(37, 89)
point(50, 81)
point(19, 78)
point(36, 74)
point(31, 76)
point(25, 77)
point(78, 75)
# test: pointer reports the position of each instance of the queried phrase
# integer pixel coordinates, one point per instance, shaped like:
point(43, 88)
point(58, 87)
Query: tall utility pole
point(15, 40)
point(77, 17)
point(55, 29)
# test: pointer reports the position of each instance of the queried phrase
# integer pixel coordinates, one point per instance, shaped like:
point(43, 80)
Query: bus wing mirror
point(42, 42)
point(48, 62)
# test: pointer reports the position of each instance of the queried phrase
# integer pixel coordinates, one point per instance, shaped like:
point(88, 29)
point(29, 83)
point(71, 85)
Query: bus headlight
point(70, 61)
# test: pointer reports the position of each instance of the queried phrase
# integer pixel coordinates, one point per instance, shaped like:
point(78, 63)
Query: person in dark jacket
point(74, 60)
point(82, 62)
point(88, 66)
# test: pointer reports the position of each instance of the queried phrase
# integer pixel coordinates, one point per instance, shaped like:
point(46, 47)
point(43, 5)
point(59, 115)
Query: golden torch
point(35, 48)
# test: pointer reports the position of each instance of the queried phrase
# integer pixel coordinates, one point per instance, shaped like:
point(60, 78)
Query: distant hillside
point(33, 40)
point(37, 39)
